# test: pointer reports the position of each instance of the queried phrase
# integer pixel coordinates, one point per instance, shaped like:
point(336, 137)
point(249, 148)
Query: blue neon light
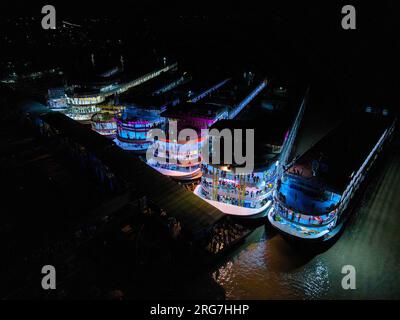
point(247, 100)
point(207, 92)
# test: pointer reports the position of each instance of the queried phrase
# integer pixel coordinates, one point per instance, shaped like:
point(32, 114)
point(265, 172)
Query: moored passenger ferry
point(249, 195)
point(227, 187)
point(179, 157)
point(314, 194)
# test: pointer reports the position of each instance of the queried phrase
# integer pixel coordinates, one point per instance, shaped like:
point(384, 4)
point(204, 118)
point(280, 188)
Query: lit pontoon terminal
point(314, 194)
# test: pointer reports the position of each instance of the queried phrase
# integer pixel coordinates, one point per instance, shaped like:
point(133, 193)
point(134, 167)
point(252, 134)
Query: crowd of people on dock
point(234, 188)
point(224, 234)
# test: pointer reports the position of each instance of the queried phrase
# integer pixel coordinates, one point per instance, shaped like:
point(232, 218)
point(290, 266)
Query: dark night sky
point(303, 39)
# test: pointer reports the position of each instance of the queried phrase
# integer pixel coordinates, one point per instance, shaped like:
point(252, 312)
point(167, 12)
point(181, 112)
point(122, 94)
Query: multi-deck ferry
point(314, 194)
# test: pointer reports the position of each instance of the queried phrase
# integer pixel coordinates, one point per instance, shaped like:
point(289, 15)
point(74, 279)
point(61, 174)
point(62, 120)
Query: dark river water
point(269, 267)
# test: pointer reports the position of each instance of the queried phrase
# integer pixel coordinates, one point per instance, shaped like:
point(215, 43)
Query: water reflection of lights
point(257, 251)
point(269, 268)
point(310, 282)
point(243, 269)
point(223, 274)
